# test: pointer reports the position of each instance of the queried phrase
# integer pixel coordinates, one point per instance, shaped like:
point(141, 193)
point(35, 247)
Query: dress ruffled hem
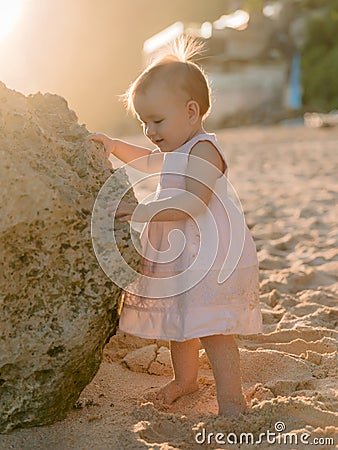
point(219, 321)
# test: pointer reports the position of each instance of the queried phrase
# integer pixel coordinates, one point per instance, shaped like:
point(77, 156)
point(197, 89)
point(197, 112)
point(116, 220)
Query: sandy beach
point(286, 178)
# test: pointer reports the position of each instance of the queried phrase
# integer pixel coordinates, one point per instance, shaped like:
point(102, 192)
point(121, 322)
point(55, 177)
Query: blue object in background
point(295, 87)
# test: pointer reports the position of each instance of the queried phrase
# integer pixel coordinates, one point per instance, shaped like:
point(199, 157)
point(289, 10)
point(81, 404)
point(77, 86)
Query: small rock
point(131, 342)
point(260, 393)
point(314, 357)
point(162, 364)
point(139, 360)
point(163, 356)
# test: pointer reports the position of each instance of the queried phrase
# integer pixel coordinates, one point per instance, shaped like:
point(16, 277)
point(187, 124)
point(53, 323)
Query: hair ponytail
point(184, 48)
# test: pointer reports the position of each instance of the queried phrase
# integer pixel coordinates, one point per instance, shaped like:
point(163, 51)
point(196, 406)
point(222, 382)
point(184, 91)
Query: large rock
point(57, 306)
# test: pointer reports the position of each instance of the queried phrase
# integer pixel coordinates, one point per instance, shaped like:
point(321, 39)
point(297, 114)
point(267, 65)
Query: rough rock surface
point(57, 306)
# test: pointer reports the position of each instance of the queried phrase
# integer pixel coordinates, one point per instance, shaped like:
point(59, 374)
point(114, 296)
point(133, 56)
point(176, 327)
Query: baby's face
point(164, 116)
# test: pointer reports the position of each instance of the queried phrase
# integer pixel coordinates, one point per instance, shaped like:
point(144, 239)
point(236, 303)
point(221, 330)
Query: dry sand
point(287, 181)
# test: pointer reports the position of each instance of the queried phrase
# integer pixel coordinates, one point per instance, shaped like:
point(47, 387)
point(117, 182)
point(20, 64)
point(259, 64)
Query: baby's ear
point(193, 109)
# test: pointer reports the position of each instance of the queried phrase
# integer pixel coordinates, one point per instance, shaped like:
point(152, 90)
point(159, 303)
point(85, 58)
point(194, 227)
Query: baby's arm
point(140, 158)
point(201, 175)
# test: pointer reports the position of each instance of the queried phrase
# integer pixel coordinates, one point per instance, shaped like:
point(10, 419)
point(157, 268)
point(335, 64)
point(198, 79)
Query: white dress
point(219, 247)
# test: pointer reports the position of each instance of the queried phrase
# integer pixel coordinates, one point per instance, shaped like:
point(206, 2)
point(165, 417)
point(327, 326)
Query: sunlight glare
point(272, 10)
point(238, 20)
point(163, 37)
point(9, 13)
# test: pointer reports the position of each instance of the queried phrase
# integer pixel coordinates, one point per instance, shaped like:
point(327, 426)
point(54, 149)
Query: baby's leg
point(184, 357)
point(223, 355)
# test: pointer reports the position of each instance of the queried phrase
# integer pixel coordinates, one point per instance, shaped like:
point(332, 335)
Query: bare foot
point(233, 408)
point(173, 390)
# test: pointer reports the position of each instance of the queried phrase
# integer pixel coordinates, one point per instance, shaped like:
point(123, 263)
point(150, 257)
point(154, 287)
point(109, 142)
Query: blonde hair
point(174, 65)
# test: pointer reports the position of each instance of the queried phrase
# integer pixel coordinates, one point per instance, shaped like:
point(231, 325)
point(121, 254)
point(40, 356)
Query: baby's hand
point(101, 138)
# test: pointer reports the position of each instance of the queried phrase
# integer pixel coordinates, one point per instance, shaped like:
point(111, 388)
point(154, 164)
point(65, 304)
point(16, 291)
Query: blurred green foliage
point(320, 60)
point(311, 4)
point(253, 5)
